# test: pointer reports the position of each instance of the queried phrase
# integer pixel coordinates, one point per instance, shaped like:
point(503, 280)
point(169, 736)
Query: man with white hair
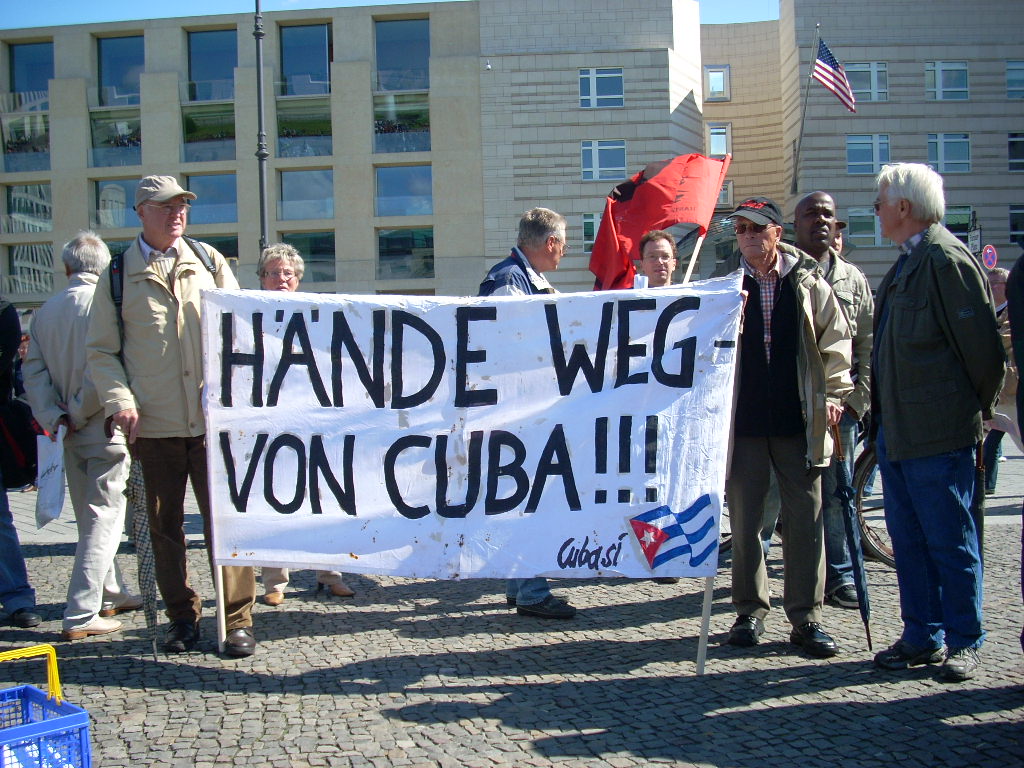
point(937, 367)
point(96, 465)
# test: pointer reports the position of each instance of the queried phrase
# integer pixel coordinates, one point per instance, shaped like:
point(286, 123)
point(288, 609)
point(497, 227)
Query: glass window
point(946, 80)
point(1015, 146)
point(306, 55)
point(591, 223)
point(216, 198)
point(209, 133)
point(866, 153)
point(404, 190)
point(405, 253)
point(114, 203)
point(29, 269)
point(601, 87)
point(949, 152)
point(958, 221)
point(725, 195)
point(869, 80)
point(719, 139)
point(26, 141)
point(116, 139)
point(862, 228)
point(212, 58)
point(227, 245)
point(716, 82)
point(306, 195)
point(401, 122)
point(31, 67)
point(304, 128)
point(121, 62)
point(29, 208)
point(1017, 225)
point(603, 160)
point(1015, 79)
point(317, 251)
point(403, 54)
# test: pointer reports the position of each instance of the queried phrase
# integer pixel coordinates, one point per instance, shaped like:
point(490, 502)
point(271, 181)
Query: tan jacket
point(854, 294)
point(162, 372)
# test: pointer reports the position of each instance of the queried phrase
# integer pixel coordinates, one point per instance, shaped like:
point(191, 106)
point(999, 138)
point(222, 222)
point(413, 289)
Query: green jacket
point(939, 359)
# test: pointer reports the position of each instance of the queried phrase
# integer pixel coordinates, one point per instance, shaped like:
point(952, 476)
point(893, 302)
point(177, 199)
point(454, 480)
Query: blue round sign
point(989, 256)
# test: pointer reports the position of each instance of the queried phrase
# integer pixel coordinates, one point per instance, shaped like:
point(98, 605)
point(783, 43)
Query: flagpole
point(693, 260)
point(803, 110)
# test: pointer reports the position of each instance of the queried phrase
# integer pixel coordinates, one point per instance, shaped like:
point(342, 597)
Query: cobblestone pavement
point(424, 673)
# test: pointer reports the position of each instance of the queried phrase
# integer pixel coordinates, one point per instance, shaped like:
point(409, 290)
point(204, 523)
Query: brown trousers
point(167, 464)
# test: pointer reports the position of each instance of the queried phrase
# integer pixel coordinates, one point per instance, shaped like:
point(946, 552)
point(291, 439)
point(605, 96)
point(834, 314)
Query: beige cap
point(159, 189)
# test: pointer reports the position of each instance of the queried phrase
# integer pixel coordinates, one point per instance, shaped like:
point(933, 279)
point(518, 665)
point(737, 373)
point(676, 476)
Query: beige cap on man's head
point(159, 189)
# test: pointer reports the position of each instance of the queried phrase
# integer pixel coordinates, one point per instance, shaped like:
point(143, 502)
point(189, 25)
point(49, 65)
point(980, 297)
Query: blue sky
point(15, 14)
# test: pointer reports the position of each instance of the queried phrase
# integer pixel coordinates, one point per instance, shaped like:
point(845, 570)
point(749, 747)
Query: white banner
point(565, 435)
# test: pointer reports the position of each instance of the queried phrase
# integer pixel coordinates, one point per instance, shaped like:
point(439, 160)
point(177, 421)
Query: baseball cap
point(159, 189)
point(760, 210)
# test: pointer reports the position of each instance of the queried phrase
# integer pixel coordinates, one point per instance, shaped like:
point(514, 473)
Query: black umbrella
point(136, 493)
point(845, 493)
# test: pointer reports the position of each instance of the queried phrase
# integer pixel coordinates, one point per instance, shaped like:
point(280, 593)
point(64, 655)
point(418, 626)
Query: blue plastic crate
point(37, 732)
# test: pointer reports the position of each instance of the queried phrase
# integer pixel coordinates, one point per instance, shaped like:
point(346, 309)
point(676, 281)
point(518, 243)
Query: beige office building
point(403, 141)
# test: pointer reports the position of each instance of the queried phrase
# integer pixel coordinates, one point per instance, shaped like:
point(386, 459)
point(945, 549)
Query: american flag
point(829, 72)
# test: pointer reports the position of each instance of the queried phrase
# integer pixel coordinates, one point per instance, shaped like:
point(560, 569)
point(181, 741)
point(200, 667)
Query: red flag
point(684, 189)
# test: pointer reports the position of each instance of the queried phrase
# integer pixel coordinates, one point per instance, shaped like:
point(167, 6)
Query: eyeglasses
point(666, 257)
point(280, 274)
point(742, 229)
point(171, 210)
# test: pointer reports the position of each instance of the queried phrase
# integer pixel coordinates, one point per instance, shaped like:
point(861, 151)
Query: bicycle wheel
point(871, 509)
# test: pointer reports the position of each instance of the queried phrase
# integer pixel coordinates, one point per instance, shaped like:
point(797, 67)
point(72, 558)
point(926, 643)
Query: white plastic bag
point(49, 477)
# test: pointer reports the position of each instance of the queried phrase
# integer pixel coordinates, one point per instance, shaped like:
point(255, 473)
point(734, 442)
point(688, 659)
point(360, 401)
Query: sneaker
point(125, 604)
point(98, 626)
point(901, 656)
point(746, 631)
point(843, 597)
point(550, 607)
point(960, 664)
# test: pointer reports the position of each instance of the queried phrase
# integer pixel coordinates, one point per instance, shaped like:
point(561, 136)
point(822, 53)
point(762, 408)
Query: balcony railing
point(28, 101)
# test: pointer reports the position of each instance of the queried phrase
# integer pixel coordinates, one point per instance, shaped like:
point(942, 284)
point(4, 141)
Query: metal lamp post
point(261, 142)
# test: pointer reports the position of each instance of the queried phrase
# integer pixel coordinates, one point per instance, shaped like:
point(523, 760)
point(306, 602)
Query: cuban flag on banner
point(662, 533)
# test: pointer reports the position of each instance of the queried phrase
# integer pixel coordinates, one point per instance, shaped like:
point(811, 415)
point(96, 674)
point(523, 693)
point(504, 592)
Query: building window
point(1017, 225)
point(306, 55)
point(862, 228)
point(114, 199)
point(29, 269)
point(716, 82)
point(1015, 79)
point(946, 80)
point(958, 221)
point(403, 54)
point(209, 133)
point(603, 159)
point(31, 70)
point(405, 253)
point(26, 141)
point(1015, 147)
point(306, 195)
point(212, 58)
point(601, 87)
point(29, 209)
point(591, 224)
point(869, 80)
point(121, 62)
point(216, 198)
point(866, 153)
point(401, 122)
point(719, 138)
point(116, 139)
point(304, 128)
point(725, 196)
point(404, 190)
point(949, 152)
point(317, 251)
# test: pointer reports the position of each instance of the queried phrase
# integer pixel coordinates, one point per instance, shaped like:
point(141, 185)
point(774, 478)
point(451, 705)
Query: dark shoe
point(813, 640)
point(746, 631)
point(181, 636)
point(901, 656)
point(665, 580)
point(240, 642)
point(960, 665)
point(843, 597)
point(550, 607)
point(25, 618)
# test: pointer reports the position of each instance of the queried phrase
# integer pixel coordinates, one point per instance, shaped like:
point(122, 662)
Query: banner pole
point(693, 260)
point(705, 623)
point(218, 588)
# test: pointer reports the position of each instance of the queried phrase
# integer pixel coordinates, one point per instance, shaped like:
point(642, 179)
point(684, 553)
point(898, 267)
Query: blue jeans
point(935, 543)
point(838, 566)
point(15, 591)
point(528, 591)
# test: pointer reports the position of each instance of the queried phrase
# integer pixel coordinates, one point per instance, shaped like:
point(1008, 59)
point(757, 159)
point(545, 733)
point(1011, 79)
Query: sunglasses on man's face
point(742, 229)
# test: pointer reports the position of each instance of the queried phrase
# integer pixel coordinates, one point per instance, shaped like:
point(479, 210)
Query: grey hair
point(537, 225)
point(281, 252)
point(86, 252)
point(998, 272)
point(919, 185)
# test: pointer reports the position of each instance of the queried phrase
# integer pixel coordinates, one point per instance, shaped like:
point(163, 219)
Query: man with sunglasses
point(146, 359)
point(794, 372)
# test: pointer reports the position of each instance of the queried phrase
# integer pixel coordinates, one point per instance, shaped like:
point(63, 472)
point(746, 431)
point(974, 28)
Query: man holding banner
point(794, 373)
point(539, 249)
